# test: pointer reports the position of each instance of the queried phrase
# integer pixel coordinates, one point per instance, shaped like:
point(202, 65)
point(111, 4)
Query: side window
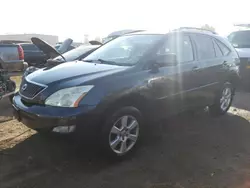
point(205, 47)
point(179, 45)
point(218, 51)
point(225, 50)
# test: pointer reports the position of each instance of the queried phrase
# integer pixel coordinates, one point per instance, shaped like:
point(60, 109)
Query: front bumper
point(48, 117)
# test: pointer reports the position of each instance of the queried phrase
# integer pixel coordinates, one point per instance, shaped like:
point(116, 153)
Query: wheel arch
point(135, 100)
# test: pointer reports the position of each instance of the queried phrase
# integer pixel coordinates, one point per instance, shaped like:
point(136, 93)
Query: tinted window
point(218, 52)
point(204, 46)
point(225, 50)
point(30, 47)
point(179, 45)
point(240, 39)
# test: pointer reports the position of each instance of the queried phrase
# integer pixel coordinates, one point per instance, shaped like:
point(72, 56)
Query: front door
point(176, 87)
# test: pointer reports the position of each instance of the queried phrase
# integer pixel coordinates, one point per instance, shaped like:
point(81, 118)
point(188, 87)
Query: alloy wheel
point(225, 98)
point(124, 134)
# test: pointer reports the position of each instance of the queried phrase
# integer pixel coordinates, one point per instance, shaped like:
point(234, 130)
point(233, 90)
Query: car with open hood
point(62, 54)
point(127, 83)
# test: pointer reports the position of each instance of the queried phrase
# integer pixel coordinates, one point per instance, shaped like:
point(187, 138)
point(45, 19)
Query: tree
point(208, 27)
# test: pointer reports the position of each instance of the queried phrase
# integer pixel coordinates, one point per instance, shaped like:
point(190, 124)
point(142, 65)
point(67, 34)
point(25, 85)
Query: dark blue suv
point(128, 82)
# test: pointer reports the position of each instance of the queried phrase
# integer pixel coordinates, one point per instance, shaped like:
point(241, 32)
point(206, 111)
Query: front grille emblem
point(24, 87)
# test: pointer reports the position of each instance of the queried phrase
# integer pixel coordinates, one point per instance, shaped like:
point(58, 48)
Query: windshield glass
point(240, 39)
point(125, 50)
point(76, 53)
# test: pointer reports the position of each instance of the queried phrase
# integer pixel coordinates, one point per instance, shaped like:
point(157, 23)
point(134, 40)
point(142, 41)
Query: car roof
point(174, 31)
point(26, 44)
point(241, 31)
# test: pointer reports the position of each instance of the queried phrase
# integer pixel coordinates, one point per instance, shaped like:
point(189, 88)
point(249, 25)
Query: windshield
point(76, 53)
point(125, 50)
point(240, 39)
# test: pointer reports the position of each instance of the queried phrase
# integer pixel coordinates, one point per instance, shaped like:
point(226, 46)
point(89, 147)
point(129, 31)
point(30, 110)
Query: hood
point(73, 70)
point(243, 52)
point(64, 47)
point(49, 50)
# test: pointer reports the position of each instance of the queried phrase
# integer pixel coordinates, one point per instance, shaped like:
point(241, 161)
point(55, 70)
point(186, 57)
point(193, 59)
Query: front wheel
point(223, 100)
point(121, 132)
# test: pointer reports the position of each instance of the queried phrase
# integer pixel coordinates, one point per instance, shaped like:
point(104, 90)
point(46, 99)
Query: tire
point(115, 132)
point(11, 98)
point(218, 108)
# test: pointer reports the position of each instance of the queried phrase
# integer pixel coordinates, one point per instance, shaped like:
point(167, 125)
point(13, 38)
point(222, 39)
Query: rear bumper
point(47, 117)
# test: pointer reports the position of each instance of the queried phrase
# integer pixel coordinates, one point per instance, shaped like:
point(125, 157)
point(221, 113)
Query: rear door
point(210, 59)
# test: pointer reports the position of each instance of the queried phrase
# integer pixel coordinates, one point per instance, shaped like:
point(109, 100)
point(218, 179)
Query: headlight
point(30, 70)
point(68, 97)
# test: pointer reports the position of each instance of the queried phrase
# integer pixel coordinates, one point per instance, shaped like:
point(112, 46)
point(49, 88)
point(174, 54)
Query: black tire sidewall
point(109, 122)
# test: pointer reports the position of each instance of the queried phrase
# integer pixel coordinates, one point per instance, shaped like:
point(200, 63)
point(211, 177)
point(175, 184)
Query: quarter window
point(204, 46)
point(225, 50)
point(218, 51)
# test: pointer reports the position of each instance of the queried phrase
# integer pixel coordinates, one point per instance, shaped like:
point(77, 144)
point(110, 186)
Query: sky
point(74, 18)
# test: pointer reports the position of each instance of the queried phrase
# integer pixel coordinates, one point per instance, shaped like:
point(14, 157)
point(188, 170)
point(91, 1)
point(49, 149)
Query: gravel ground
point(194, 151)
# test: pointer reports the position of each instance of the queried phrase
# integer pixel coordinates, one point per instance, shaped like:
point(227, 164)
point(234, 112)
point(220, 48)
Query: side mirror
point(169, 59)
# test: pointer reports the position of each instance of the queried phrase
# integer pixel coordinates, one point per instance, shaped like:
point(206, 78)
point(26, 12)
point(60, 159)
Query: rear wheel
point(223, 100)
point(121, 132)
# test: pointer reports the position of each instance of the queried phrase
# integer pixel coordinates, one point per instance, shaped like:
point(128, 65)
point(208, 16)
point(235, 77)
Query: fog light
point(64, 129)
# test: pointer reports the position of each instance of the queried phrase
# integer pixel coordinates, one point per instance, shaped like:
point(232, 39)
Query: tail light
point(20, 52)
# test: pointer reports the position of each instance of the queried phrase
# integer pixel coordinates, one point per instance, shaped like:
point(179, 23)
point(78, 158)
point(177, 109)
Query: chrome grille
point(30, 90)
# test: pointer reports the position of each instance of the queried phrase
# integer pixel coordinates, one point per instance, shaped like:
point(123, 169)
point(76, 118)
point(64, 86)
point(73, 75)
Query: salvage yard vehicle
point(129, 82)
point(56, 58)
point(33, 55)
point(12, 57)
point(241, 42)
point(119, 33)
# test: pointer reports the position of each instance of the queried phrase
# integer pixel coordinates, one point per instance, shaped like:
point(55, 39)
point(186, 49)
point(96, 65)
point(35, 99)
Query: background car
point(116, 34)
point(33, 55)
point(11, 57)
point(57, 58)
point(241, 42)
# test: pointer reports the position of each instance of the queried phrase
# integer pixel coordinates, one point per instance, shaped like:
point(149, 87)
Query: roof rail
point(135, 31)
point(195, 28)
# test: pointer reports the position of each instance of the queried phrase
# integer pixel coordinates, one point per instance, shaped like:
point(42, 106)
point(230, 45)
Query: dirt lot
point(185, 151)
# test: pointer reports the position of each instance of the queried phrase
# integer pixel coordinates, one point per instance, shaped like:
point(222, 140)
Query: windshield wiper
point(102, 61)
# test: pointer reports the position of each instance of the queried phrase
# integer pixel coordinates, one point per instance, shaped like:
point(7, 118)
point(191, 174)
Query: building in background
point(51, 39)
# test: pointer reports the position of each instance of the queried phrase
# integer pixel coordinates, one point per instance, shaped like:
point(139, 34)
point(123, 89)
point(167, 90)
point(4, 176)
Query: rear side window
point(30, 47)
point(225, 50)
point(205, 47)
point(218, 51)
